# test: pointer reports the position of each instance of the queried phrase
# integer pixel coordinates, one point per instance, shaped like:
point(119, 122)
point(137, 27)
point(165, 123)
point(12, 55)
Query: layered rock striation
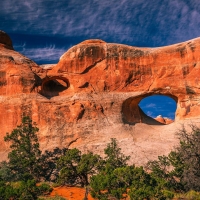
point(92, 95)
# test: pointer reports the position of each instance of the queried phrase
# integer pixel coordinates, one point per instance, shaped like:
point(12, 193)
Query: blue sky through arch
point(158, 105)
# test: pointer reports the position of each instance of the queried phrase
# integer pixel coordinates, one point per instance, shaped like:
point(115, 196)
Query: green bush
point(23, 190)
point(44, 189)
point(8, 192)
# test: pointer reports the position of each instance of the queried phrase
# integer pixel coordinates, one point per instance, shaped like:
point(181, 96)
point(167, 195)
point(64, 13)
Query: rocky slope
point(92, 95)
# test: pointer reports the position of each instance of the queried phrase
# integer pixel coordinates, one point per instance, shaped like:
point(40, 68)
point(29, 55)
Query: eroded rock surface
point(92, 95)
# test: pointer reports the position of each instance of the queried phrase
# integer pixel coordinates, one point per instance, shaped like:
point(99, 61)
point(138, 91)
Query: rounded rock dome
point(98, 41)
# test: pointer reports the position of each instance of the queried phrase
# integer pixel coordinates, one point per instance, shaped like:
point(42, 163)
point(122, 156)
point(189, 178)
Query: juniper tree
point(25, 152)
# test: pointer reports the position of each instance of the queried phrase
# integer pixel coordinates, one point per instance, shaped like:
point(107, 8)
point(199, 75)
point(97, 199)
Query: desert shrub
point(44, 189)
point(75, 167)
point(23, 190)
point(117, 180)
point(180, 170)
point(8, 192)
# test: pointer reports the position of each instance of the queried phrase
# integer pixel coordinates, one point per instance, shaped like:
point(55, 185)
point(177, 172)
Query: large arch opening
point(54, 86)
point(159, 107)
point(150, 109)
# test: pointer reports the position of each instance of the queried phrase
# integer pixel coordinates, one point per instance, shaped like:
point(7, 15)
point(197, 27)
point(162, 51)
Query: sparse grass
point(191, 195)
point(52, 198)
point(56, 185)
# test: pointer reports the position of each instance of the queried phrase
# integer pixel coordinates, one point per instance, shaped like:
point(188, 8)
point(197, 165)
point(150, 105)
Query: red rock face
point(93, 93)
point(102, 67)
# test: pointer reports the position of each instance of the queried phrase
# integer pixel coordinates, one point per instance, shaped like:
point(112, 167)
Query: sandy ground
point(70, 193)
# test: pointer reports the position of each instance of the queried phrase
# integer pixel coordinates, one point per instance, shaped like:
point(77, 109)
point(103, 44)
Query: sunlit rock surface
point(92, 95)
point(163, 120)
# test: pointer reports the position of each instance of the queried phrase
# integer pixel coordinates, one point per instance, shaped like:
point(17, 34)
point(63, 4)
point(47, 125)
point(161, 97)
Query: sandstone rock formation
point(163, 120)
point(92, 95)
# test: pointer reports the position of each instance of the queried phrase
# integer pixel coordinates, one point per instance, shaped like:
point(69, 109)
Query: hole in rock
point(149, 109)
point(159, 107)
point(54, 86)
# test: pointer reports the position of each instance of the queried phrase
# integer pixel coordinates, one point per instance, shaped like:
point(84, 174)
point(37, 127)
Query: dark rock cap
point(5, 39)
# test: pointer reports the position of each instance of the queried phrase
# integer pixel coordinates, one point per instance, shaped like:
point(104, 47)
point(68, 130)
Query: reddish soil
point(71, 193)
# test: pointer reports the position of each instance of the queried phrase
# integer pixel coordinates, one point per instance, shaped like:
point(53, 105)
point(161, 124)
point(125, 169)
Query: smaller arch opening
point(54, 86)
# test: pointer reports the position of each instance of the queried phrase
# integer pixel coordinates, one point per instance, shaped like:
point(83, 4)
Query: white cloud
point(155, 22)
point(125, 22)
point(48, 53)
point(151, 105)
point(149, 113)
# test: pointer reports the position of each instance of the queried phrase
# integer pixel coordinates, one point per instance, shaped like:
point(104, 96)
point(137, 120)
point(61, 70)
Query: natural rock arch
point(54, 86)
point(132, 113)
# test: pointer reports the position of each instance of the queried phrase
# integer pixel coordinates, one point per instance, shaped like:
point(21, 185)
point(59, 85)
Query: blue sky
point(44, 29)
point(159, 105)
